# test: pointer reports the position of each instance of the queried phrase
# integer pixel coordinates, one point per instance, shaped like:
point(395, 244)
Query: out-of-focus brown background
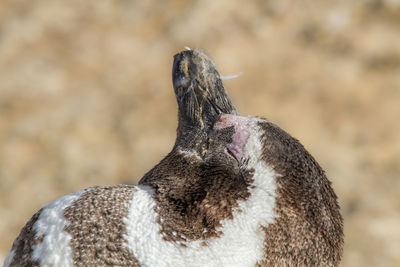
point(86, 97)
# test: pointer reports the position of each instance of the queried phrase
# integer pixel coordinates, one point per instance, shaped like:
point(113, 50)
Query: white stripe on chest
point(241, 244)
point(54, 250)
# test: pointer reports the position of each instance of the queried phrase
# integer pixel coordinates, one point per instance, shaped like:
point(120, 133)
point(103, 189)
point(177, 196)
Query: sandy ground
point(86, 97)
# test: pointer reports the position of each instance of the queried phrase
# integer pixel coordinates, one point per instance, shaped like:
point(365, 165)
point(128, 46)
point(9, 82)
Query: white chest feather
point(54, 250)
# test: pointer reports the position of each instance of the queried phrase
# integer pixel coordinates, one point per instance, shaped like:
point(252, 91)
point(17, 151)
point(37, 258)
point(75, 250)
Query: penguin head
point(199, 90)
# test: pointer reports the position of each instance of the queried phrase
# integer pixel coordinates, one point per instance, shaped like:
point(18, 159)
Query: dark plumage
point(309, 228)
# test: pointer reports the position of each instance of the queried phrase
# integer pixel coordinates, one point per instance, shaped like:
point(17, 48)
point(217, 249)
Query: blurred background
point(86, 97)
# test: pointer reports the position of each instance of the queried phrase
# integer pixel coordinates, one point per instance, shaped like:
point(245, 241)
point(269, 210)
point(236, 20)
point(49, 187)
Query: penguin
point(233, 191)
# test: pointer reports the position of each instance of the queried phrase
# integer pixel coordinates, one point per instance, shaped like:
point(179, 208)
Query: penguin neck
point(190, 138)
point(183, 159)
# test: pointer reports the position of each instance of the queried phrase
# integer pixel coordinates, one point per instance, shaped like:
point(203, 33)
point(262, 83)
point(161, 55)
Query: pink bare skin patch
point(241, 135)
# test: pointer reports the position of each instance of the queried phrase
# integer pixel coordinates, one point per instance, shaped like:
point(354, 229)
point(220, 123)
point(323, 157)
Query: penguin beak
point(199, 90)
